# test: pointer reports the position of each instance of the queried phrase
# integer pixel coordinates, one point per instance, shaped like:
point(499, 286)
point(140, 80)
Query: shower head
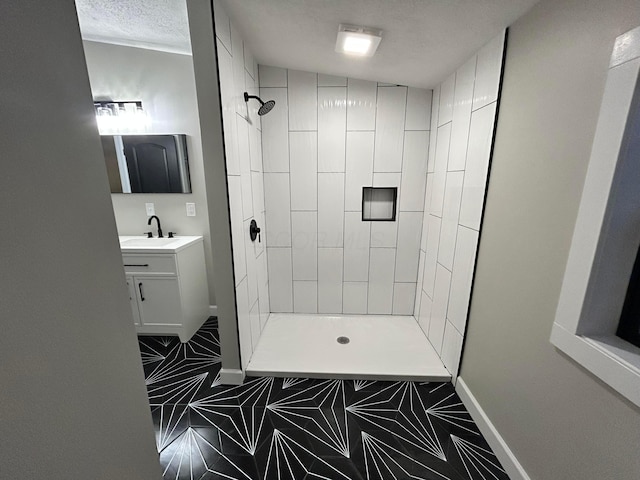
point(265, 107)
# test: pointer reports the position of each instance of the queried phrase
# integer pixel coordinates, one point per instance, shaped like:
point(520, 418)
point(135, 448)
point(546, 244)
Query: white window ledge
point(608, 358)
point(607, 234)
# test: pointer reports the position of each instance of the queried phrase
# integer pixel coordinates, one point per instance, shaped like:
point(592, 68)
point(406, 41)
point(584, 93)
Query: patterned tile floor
point(295, 429)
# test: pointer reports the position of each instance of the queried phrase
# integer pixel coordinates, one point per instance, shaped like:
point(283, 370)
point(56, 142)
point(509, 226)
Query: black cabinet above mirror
point(147, 163)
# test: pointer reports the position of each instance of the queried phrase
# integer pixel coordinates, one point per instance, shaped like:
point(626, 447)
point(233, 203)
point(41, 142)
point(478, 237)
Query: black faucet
point(157, 220)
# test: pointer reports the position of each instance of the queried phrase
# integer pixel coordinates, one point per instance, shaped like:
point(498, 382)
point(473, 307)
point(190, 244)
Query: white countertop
point(142, 244)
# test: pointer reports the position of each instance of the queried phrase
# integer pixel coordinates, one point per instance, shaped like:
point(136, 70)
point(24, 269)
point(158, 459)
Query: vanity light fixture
point(358, 41)
point(121, 116)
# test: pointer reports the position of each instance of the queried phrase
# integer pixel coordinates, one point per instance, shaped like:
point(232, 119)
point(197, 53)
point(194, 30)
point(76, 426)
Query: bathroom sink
point(144, 245)
point(148, 242)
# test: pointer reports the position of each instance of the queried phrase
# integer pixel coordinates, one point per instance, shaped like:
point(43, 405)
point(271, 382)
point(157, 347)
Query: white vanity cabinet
point(167, 284)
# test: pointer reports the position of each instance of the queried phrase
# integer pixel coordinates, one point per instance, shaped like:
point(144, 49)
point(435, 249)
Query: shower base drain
point(343, 340)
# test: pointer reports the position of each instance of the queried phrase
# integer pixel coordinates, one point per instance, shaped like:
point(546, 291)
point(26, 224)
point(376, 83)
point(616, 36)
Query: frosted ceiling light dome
point(358, 41)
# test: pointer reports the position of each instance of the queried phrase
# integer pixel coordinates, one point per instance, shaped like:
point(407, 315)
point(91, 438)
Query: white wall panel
point(435, 108)
point(475, 179)
point(278, 207)
point(354, 297)
point(450, 212)
point(381, 271)
point(416, 307)
point(248, 62)
point(257, 189)
point(390, 115)
point(237, 226)
point(431, 258)
point(272, 76)
point(303, 100)
point(254, 142)
point(303, 151)
point(304, 232)
point(361, 105)
point(330, 280)
point(388, 180)
point(263, 289)
point(414, 170)
point(275, 132)
point(331, 81)
point(332, 122)
point(462, 99)
point(254, 320)
point(280, 281)
point(445, 113)
point(359, 168)
point(330, 209)
point(425, 230)
point(462, 276)
point(451, 349)
point(408, 246)
point(403, 298)
point(356, 247)
point(428, 193)
point(424, 316)
point(418, 116)
point(244, 323)
point(237, 52)
point(305, 297)
point(223, 26)
point(440, 170)
point(245, 166)
point(384, 234)
point(439, 309)
point(488, 73)
point(227, 92)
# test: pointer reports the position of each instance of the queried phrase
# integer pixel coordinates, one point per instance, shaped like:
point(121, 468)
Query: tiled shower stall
point(329, 138)
point(299, 171)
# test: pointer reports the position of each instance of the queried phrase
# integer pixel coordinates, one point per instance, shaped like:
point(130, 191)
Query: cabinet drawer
point(150, 264)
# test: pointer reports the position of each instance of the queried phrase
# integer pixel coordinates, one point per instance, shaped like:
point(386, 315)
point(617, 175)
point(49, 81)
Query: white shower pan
point(380, 347)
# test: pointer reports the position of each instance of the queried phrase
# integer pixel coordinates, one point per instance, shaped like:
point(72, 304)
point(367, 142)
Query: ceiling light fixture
point(358, 41)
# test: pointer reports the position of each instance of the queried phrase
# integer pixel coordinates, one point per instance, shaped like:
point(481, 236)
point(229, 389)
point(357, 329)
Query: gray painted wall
point(560, 421)
point(165, 83)
point(73, 399)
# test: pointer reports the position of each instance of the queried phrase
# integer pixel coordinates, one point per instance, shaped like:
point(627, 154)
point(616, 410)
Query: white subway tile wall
point(464, 111)
point(342, 134)
point(243, 152)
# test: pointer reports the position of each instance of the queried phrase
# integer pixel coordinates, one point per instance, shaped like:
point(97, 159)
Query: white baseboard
point(508, 460)
point(231, 376)
point(213, 310)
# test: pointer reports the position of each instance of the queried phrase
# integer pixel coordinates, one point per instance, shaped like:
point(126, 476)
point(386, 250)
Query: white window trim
point(607, 234)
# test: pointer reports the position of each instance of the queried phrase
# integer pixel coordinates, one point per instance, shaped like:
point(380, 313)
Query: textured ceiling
point(423, 40)
point(154, 24)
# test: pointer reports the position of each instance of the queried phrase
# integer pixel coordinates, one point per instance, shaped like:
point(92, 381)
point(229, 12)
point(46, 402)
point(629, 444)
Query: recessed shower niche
point(379, 204)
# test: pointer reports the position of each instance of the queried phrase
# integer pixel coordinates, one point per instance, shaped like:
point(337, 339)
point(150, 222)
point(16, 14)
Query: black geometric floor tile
point(170, 421)
point(300, 428)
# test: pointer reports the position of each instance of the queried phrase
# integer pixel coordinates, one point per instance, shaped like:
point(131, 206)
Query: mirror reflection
point(147, 163)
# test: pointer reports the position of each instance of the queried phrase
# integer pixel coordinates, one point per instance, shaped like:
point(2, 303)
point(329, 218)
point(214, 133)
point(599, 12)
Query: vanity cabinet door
point(159, 300)
point(133, 301)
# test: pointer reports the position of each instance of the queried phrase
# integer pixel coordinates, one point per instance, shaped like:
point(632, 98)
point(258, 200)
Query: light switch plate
point(151, 209)
point(191, 209)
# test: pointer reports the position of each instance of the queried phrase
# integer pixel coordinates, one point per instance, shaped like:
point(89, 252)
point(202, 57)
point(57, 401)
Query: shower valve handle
point(254, 231)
